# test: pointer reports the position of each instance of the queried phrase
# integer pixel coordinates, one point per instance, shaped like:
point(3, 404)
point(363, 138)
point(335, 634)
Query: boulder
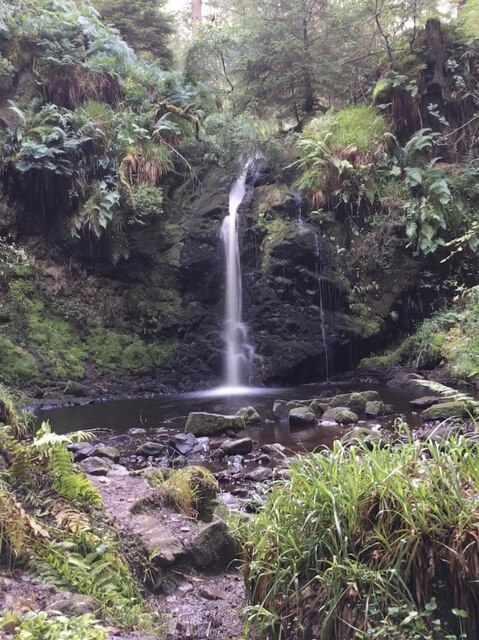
point(151, 449)
point(275, 448)
point(345, 416)
point(445, 410)
point(319, 406)
point(250, 415)
point(281, 408)
point(301, 416)
point(162, 545)
point(184, 443)
point(76, 389)
point(97, 466)
point(341, 415)
point(204, 424)
point(355, 401)
point(81, 450)
point(102, 451)
point(74, 604)
point(234, 447)
point(404, 379)
point(261, 474)
point(363, 435)
point(213, 547)
point(425, 402)
point(374, 408)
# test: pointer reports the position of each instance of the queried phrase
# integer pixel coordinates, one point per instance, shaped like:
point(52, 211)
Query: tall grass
point(357, 532)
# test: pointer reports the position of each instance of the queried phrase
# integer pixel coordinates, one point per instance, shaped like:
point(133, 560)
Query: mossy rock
point(382, 91)
point(355, 401)
point(205, 424)
point(319, 406)
point(341, 415)
point(446, 410)
point(191, 490)
point(374, 408)
point(249, 414)
point(282, 408)
point(302, 416)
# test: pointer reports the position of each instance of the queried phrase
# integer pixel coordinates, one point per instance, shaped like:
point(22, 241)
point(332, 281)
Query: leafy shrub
point(147, 201)
point(39, 626)
point(6, 73)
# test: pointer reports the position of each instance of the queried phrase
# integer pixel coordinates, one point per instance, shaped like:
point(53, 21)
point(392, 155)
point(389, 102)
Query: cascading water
point(322, 317)
point(239, 352)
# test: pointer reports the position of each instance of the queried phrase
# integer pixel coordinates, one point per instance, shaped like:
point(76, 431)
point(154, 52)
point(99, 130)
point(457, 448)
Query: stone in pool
point(204, 424)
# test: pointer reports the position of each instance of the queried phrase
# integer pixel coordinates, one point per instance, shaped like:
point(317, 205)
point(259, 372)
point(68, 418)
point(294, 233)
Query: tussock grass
point(357, 532)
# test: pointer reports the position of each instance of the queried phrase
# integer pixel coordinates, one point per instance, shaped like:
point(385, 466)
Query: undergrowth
point(52, 524)
point(362, 538)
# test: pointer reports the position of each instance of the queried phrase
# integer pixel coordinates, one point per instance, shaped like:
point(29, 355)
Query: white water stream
point(239, 352)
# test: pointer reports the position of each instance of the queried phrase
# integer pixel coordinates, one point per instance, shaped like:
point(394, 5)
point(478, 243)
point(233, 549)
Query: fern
point(51, 449)
point(449, 393)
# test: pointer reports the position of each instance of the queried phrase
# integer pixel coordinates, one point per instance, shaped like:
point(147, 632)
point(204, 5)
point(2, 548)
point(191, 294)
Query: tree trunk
point(307, 82)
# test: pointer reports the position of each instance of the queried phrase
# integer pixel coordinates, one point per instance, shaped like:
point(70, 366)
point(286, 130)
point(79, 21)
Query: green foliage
point(147, 201)
point(98, 211)
point(468, 19)
point(18, 366)
point(144, 25)
point(87, 564)
point(69, 149)
point(448, 339)
point(337, 153)
point(242, 135)
point(6, 73)
point(191, 490)
point(41, 626)
point(48, 519)
point(51, 449)
point(348, 538)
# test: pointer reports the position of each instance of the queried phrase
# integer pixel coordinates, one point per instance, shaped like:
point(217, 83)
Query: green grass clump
point(358, 126)
point(191, 490)
point(360, 532)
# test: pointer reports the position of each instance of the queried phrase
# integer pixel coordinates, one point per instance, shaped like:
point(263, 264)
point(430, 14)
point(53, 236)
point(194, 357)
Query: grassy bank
point(368, 542)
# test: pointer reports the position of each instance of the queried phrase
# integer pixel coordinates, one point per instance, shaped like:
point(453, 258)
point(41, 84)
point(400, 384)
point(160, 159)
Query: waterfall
point(322, 317)
point(239, 352)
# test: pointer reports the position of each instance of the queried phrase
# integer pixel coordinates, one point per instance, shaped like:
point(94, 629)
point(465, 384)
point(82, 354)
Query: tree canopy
point(143, 24)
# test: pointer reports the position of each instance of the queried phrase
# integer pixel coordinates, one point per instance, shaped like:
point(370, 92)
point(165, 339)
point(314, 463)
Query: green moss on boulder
point(205, 424)
point(445, 410)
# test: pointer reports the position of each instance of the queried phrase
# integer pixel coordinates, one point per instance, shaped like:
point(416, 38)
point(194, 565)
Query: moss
point(270, 198)
point(391, 358)
point(381, 91)
point(65, 348)
point(361, 322)
point(56, 342)
point(17, 365)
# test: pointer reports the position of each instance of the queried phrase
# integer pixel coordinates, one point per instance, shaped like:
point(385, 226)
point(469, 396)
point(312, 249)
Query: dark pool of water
point(171, 411)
